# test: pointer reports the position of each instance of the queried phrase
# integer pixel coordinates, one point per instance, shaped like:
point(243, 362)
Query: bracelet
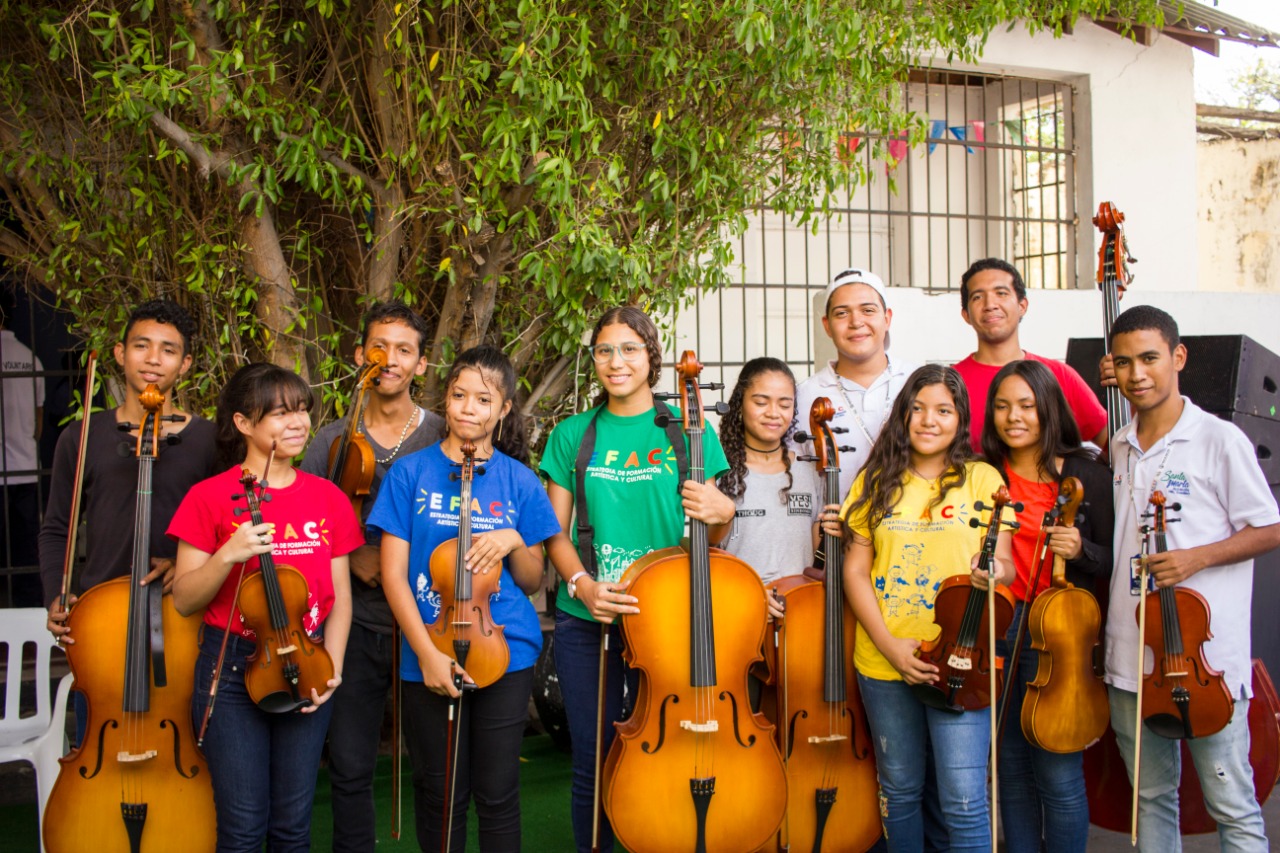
point(574, 579)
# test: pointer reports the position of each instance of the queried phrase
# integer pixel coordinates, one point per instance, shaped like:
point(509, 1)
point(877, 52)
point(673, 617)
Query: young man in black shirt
point(155, 350)
point(395, 426)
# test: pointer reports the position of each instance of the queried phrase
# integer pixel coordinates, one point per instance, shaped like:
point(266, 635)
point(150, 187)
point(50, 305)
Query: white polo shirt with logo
point(1206, 465)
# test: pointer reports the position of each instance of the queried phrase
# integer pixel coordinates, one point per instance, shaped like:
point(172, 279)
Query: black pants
point(488, 732)
point(354, 734)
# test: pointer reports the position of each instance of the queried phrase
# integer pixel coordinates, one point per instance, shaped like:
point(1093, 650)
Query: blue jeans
point(263, 766)
point(1043, 804)
point(577, 654)
point(1222, 762)
point(901, 728)
point(355, 731)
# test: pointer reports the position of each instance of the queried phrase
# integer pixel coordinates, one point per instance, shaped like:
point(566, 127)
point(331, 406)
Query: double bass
point(694, 769)
point(1065, 708)
point(832, 787)
point(137, 781)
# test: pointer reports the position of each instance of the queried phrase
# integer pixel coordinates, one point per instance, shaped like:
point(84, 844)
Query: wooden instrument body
point(1065, 708)
point(1107, 781)
point(468, 618)
point(352, 466)
point(1208, 707)
point(647, 774)
point(265, 676)
point(84, 807)
point(964, 674)
point(815, 761)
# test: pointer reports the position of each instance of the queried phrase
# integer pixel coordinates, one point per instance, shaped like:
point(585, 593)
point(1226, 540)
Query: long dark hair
point(510, 435)
point(253, 391)
point(1059, 434)
point(640, 323)
point(733, 430)
point(890, 456)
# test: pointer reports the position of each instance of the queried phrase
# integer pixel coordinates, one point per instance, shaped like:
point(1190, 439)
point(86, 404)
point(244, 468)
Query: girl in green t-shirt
point(633, 507)
point(908, 513)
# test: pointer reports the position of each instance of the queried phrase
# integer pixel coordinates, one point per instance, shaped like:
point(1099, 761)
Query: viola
point(465, 630)
point(137, 781)
point(965, 639)
point(351, 460)
point(1065, 708)
point(287, 664)
point(693, 768)
point(1183, 696)
point(1114, 278)
point(832, 799)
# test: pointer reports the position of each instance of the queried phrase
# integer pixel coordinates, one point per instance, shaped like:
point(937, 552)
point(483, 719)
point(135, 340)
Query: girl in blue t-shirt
point(417, 510)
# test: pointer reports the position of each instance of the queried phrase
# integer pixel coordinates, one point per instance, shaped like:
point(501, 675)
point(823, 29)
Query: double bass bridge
point(126, 757)
point(834, 738)
point(709, 727)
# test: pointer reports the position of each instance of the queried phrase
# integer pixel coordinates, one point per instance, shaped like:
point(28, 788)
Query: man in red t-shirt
point(993, 299)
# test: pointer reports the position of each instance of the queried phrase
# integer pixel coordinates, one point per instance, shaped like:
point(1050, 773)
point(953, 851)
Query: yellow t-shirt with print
point(915, 551)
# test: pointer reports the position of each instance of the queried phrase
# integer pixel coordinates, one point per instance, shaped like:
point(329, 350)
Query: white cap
point(854, 276)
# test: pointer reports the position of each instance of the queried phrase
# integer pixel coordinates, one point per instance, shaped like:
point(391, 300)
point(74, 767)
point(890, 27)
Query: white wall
point(1240, 214)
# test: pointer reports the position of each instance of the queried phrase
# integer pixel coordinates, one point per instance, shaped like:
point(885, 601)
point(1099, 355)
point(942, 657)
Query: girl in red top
point(263, 765)
point(1031, 438)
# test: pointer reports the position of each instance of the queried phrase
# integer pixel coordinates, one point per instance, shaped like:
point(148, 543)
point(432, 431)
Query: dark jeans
point(577, 651)
point(263, 766)
point(355, 731)
point(1043, 804)
point(486, 752)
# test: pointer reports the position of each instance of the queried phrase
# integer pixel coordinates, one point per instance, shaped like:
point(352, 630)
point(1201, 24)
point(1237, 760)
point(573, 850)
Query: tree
point(508, 166)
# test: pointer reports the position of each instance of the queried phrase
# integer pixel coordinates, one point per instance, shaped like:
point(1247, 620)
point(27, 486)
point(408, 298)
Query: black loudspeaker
point(1264, 435)
point(1224, 373)
point(1266, 603)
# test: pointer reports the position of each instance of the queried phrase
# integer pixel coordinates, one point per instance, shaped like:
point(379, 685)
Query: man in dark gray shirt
point(394, 426)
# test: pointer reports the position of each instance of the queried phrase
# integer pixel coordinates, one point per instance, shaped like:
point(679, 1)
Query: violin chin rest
point(281, 702)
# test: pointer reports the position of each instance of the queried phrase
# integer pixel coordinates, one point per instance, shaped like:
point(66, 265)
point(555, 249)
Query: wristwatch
point(573, 583)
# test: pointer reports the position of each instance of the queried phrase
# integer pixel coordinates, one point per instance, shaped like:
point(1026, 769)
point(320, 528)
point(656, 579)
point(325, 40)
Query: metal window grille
point(995, 177)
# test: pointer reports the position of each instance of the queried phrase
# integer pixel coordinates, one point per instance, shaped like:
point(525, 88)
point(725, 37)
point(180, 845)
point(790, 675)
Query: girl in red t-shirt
point(1031, 438)
point(262, 764)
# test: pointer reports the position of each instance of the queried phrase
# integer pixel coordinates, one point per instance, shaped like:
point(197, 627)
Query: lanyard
point(1155, 481)
point(857, 415)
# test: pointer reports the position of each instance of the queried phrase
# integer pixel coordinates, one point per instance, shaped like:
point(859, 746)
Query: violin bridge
point(700, 728)
point(463, 624)
point(959, 662)
point(1175, 675)
point(133, 757)
point(286, 650)
point(826, 738)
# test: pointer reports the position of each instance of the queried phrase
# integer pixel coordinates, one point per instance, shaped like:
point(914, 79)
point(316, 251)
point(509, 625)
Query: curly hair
point(890, 457)
point(640, 323)
point(164, 311)
point(733, 429)
point(510, 436)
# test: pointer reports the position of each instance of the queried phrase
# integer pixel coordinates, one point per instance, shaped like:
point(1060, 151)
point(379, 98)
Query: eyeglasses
point(628, 351)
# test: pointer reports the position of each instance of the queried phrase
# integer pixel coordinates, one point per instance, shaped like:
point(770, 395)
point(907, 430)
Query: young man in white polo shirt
point(1227, 517)
point(863, 381)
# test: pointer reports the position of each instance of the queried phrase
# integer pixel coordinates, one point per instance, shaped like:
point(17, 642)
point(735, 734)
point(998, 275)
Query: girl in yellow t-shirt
point(909, 512)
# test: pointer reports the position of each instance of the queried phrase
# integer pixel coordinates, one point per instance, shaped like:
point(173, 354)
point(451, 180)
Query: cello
point(833, 790)
point(694, 769)
point(351, 460)
point(287, 664)
point(1066, 707)
point(137, 781)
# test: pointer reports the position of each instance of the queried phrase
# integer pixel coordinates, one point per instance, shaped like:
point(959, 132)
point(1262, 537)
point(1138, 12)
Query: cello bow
point(69, 558)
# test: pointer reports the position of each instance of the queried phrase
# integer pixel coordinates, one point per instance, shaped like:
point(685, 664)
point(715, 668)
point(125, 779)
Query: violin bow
point(991, 671)
point(396, 733)
point(1041, 550)
point(86, 401)
point(1143, 577)
point(226, 632)
point(602, 671)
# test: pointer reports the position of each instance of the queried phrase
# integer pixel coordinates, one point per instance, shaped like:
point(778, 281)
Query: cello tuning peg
point(665, 395)
point(802, 436)
point(173, 439)
point(721, 408)
point(845, 448)
point(839, 430)
point(661, 420)
point(807, 458)
point(125, 426)
point(711, 386)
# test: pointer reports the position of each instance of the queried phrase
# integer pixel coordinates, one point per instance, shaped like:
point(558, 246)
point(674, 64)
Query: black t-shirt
point(109, 499)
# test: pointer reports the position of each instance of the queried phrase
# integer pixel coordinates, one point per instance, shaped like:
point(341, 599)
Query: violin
point(1065, 708)
point(351, 460)
point(693, 768)
point(287, 664)
point(965, 636)
point(1182, 697)
point(137, 781)
point(833, 790)
point(465, 630)
point(1114, 278)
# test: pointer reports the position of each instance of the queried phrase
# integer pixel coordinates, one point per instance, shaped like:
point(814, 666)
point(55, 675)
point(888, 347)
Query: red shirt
point(314, 523)
point(1090, 415)
point(1036, 499)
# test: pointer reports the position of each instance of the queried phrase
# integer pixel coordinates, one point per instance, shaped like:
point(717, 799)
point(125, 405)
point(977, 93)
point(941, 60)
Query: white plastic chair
point(39, 739)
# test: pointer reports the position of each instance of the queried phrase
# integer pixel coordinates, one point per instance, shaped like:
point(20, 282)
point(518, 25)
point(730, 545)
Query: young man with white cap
point(863, 380)
point(993, 300)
